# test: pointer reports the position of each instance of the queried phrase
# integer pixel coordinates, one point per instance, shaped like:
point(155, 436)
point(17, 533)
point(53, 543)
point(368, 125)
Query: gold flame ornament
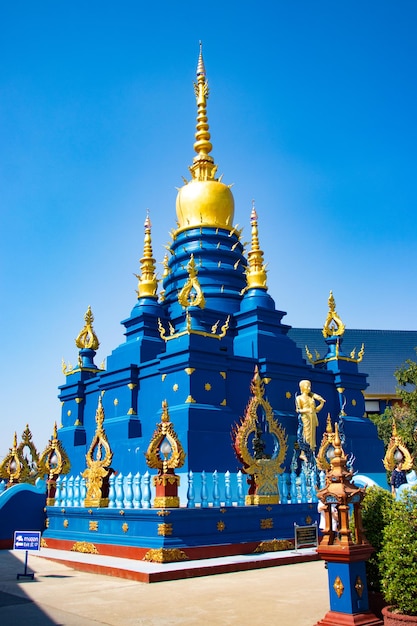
point(12, 465)
point(191, 294)
point(326, 450)
point(333, 326)
point(261, 467)
point(396, 451)
point(29, 456)
point(53, 462)
point(165, 453)
point(99, 458)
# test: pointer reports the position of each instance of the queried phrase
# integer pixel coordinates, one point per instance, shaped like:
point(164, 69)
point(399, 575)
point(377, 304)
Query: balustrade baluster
point(137, 492)
point(77, 491)
point(119, 491)
point(227, 489)
point(70, 492)
point(58, 491)
point(112, 491)
point(216, 492)
point(293, 489)
point(128, 492)
point(147, 496)
point(204, 496)
point(240, 494)
point(190, 491)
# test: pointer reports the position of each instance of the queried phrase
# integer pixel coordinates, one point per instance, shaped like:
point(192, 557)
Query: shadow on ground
point(15, 605)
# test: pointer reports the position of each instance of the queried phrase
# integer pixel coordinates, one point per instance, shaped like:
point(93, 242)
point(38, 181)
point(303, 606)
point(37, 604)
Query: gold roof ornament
point(333, 331)
point(191, 294)
point(148, 282)
point(98, 458)
point(205, 200)
point(256, 270)
point(333, 326)
point(165, 452)
point(87, 337)
point(262, 467)
point(397, 451)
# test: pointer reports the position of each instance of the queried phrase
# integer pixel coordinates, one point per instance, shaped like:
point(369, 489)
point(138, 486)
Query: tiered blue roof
point(385, 352)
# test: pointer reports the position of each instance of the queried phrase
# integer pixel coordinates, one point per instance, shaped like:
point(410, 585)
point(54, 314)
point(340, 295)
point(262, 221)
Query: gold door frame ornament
point(396, 443)
point(166, 482)
point(263, 470)
point(165, 430)
point(98, 467)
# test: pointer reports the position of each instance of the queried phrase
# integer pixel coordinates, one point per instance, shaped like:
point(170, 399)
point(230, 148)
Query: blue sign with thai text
point(27, 540)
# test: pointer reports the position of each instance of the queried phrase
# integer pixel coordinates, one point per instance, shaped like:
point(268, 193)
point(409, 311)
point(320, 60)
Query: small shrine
point(345, 555)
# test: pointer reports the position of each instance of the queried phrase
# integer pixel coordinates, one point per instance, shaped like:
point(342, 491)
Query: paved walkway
point(294, 595)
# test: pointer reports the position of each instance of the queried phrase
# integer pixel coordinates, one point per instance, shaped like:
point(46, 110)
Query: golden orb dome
point(205, 203)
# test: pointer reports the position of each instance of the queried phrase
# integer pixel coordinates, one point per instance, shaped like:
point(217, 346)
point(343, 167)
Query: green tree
point(399, 554)
point(405, 415)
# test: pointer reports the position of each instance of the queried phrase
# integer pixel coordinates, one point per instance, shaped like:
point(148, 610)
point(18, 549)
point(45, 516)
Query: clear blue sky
point(312, 113)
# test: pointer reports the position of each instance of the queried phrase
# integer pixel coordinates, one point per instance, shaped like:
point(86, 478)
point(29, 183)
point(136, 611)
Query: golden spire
point(333, 326)
point(205, 200)
point(87, 337)
point(148, 283)
point(256, 272)
point(203, 167)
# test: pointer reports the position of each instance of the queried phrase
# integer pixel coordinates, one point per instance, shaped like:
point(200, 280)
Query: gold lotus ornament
point(165, 453)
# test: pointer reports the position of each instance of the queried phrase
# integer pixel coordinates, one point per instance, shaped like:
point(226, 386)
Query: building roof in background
point(385, 352)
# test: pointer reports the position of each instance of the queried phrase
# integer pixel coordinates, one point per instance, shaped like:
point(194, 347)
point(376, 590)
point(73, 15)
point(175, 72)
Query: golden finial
point(256, 272)
point(87, 337)
point(148, 282)
point(165, 414)
point(333, 326)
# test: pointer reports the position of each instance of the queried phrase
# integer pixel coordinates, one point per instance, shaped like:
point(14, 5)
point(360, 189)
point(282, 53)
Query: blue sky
point(312, 114)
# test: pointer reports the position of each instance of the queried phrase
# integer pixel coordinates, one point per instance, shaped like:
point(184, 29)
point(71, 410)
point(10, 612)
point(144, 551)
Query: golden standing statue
point(307, 408)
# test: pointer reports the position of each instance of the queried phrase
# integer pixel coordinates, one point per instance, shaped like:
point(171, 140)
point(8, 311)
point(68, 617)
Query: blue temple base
point(197, 533)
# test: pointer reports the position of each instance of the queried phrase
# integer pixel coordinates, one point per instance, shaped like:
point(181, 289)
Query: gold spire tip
point(201, 70)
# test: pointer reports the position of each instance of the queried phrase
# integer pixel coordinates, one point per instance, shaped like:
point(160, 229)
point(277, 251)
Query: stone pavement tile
point(296, 595)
